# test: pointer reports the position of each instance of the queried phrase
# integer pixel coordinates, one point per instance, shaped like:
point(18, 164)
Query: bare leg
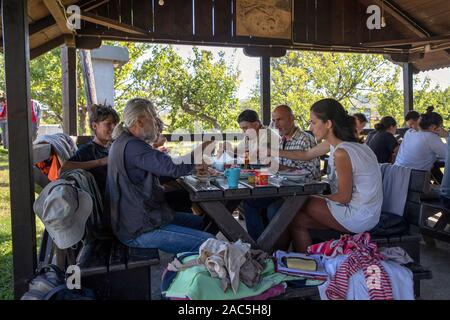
point(314, 215)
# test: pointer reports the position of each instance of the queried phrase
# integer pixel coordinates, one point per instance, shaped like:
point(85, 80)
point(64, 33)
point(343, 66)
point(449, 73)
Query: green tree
point(358, 81)
point(300, 78)
point(201, 89)
point(389, 97)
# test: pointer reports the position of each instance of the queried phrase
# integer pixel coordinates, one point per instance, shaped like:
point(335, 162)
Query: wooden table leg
point(230, 228)
point(280, 222)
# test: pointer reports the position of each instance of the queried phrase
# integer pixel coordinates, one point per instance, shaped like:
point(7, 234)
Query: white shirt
point(420, 150)
point(363, 212)
point(258, 145)
point(401, 279)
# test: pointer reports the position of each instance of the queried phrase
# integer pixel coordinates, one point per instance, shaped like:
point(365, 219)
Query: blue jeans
point(252, 212)
point(183, 234)
point(445, 186)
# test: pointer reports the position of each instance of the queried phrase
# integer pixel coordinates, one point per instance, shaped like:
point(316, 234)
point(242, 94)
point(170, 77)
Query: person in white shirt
point(355, 180)
point(420, 149)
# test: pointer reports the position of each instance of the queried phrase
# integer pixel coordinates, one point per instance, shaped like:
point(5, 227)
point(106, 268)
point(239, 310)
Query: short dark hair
point(248, 115)
point(412, 115)
point(361, 117)
point(101, 112)
point(2, 99)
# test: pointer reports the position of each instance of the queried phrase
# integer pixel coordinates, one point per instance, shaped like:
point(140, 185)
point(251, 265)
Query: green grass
point(6, 265)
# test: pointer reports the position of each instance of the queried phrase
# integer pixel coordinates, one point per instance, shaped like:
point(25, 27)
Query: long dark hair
point(344, 125)
point(430, 118)
point(385, 123)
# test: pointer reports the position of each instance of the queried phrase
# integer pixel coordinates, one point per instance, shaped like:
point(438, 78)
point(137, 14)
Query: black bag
point(50, 284)
point(390, 225)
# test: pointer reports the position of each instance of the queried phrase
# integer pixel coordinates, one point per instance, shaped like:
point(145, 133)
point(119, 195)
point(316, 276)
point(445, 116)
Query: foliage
point(358, 81)
point(389, 98)
point(46, 84)
point(200, 90)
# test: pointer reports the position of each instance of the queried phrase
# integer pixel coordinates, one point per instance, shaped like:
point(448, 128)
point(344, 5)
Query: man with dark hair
point(249, 116)
point(256, 136)
point(412, 120)
point(361, 121)
point(93, 156)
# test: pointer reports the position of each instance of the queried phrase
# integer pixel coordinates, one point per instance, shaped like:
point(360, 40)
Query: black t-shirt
point(382, 144)
point(93, 151)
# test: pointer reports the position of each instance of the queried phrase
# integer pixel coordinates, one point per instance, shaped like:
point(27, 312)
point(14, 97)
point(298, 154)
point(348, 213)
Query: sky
point(249, 68)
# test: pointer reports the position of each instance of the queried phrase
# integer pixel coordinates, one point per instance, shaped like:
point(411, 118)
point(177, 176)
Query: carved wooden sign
point(264, 18)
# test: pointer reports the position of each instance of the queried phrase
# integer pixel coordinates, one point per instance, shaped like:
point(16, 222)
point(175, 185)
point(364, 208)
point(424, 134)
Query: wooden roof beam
point(411, 41)
point(84, 42)
point(41, 25)
point(49, 21)
point(110, 23)
point(400, 16)
point(58, 13)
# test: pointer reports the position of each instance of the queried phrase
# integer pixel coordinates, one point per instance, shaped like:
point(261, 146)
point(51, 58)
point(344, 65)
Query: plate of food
point(206, 175)
point(295, 175)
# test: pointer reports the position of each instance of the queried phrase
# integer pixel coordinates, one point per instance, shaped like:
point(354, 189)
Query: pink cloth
point(363, 255)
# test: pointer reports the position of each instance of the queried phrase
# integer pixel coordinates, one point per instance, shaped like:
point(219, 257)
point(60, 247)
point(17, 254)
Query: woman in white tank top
point(355, 178)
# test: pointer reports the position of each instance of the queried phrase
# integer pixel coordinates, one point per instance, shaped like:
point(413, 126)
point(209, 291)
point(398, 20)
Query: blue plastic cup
point(219, 165)
point(233, 175)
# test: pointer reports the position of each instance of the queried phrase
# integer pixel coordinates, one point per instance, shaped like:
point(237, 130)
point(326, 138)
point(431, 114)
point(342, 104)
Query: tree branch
point(187, 108)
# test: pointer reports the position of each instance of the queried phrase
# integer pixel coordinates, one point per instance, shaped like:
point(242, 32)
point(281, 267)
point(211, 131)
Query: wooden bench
point(419, 188)
point(115, 271)
point(439, 230)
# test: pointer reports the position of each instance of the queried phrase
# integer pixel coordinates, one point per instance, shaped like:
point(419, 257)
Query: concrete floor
point(436, 259)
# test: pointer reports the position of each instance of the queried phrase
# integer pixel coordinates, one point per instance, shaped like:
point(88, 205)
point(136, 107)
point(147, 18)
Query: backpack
point(50, 284)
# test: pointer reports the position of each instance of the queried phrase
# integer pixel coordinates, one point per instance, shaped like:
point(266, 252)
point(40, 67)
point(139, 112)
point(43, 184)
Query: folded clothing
point(196, 283)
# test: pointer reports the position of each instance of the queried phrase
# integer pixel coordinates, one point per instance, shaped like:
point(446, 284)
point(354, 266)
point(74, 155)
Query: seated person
point(412, 120)
point(355, 203)
point(291, 138)
point(382, 140)
point(140, 215)
point(420, 149)
point(93, 156)
point(161, 139)
point(361, 121)
point(445, 186)
point(256, 136)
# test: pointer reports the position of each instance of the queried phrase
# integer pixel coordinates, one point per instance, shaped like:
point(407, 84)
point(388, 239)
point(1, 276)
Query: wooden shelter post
point(16, 53)
point(265, 89)
point(69, 89)
point(408, 89)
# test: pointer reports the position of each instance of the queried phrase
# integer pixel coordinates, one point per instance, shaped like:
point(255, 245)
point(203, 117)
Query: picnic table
point(211, 197)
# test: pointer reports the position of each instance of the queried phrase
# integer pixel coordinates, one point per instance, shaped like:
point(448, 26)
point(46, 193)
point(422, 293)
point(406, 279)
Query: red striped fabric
point(363, 255)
